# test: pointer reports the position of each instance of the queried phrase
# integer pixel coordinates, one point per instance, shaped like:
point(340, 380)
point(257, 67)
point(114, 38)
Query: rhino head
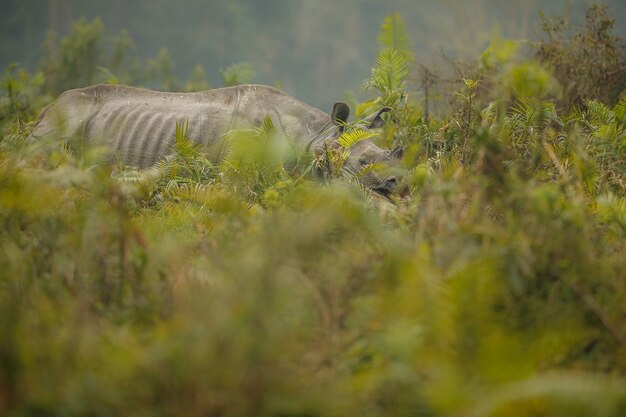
point(376, 167)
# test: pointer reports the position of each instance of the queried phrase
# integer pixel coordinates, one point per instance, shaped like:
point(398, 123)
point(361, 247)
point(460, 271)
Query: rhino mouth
point(386, 188)
point(382, 191)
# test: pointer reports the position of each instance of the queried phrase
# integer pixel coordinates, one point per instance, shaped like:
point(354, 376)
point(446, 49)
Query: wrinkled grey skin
point(139, 125)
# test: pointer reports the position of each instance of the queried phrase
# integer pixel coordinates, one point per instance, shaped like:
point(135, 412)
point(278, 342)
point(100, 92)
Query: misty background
point(315, 50)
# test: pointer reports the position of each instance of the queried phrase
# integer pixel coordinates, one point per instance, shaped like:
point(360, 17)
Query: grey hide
point(139, 125)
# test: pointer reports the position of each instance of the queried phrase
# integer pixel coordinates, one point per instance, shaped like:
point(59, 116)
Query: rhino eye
point(363, 161)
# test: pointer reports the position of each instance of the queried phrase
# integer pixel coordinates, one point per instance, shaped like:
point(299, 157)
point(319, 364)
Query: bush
point(589, 63)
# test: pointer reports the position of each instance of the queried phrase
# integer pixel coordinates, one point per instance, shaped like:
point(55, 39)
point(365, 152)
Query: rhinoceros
point(139, 124)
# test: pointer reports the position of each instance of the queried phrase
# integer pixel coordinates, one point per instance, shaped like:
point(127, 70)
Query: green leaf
point(390, 72)
point(620, 111)
point(183, 146)
point(393, 33)
point(267, 128)
point(348, 139)
point(534, 113)
point(598, 113)
point(366, 107)
point(612, 209)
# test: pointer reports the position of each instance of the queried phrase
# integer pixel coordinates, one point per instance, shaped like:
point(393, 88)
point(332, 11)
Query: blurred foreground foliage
point(494, 287)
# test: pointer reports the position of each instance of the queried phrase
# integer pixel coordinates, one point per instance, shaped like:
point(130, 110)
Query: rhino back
point(139, 124)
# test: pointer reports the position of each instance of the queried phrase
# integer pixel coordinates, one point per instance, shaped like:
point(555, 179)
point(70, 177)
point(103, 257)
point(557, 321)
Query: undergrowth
point(493, 286)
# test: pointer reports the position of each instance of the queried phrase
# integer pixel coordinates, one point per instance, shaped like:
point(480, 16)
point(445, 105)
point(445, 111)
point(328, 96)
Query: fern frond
point(192, 196)
point(181, 130)
point(267, 128)
point(599, 114)
point(392, 68)
point(348, 139)
point(393, 33)
point(367, 107)
point(619, 111)
point(183, 146)
point(613, 209)
point(532, 113)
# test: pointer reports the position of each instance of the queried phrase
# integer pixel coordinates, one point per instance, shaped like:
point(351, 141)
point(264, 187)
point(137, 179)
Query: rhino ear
point(341, 113)
point(375, 120)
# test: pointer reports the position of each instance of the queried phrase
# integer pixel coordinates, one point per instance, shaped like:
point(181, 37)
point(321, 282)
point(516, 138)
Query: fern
point(612, 209)
point(392, 63)
point(191, 196)
point(598, 114)
point(389, 74)
point(186, 167)
point(532, 113)
point(255, 160)
point(349, 138)
point(367, 107)
point(267, 128)
point(393, 33)
point(182, 145)
point(620, 112)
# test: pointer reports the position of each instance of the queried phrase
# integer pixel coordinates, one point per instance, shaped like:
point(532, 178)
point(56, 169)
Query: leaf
point(183, 146)
point(620, 111)
point(612, 209)
point(598, 113)
point(348, 139)
point(366, 107)
point(267, 128)
point(534, 113)
point(393, 33)
point(392, 68)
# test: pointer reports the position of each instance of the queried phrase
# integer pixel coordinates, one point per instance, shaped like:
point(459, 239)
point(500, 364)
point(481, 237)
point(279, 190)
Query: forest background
point(316, 50)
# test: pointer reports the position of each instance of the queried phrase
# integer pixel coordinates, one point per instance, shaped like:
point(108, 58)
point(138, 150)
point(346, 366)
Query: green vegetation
point(493, 285)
